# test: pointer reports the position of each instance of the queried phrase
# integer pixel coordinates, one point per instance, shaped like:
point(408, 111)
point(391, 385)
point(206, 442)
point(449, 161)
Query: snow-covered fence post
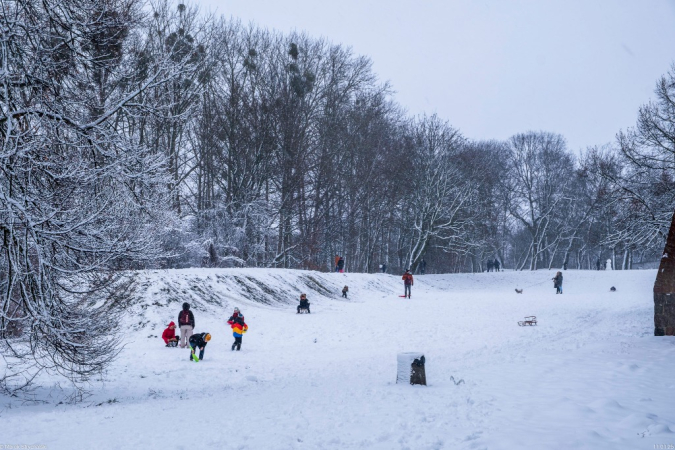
point(411, 368)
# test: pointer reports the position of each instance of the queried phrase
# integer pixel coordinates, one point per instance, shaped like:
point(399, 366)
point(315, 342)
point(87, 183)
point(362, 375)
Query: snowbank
point(589, 375)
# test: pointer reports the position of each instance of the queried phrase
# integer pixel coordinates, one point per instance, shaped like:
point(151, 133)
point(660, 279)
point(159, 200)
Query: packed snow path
point(590, 375)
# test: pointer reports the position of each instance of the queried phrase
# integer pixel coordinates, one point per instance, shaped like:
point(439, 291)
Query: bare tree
point(540, 170)
point(438, 192)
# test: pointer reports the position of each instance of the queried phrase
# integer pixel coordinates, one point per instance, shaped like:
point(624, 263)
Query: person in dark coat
point(198, 341)
point(423, 266)
point(496, 264)
point(341, 265)
point(344, 291)
point(384, 268)
point(186, 323)
point(489, 265)
point(597, 264)
point(557, 282)
point(304, 303)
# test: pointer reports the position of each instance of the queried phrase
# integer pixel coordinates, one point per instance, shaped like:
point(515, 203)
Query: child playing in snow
point(239, 327)
point(304, 303)
point(344, 291)
point(198, 341)
point(169, 335)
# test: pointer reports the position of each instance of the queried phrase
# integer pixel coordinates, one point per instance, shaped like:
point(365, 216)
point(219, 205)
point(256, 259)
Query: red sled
point(404, 296)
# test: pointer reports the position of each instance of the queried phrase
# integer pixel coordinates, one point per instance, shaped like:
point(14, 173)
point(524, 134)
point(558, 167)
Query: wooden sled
point(529, 320)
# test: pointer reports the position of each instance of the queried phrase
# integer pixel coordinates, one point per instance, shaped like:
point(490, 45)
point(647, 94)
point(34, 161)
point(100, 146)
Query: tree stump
point(664, 288)
point(411, 368)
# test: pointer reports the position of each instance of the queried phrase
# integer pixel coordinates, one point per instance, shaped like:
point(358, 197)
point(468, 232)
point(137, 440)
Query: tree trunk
point(410, 368)
point(664, 288)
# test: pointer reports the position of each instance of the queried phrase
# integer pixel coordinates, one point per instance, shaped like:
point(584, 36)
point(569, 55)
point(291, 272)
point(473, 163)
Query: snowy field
point(589, 376)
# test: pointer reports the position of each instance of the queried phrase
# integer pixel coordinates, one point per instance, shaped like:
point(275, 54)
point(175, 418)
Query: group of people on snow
point(198, 341)
point(493, 265)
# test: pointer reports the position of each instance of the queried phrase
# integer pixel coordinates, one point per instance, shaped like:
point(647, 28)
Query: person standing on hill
point(496, 264)
point(407, 283)
point(239, 327)
point(341, 265)
point(186, 323)
point(489, 265)
point(337, 260)
point(557, 282)
point(344, 291)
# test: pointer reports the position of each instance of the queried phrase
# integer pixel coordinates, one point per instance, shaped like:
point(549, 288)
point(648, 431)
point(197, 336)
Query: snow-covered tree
point(80, 199)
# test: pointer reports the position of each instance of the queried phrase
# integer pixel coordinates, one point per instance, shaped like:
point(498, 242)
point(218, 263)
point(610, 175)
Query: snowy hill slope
point(216, 291)
point(590, 375)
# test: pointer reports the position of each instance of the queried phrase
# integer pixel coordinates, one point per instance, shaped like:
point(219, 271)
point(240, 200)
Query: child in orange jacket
point(239, 327)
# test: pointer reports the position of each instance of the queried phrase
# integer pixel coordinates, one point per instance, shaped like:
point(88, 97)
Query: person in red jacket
point(169, 335)
point(407, 283)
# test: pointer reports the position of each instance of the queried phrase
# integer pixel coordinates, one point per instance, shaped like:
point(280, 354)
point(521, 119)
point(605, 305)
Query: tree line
point(287, 150)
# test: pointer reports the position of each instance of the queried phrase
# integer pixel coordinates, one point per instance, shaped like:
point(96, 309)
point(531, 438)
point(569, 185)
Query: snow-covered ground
point(590, 376)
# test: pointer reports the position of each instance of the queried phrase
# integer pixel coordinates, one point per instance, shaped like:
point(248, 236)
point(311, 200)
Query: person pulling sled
point(407, 283)
point(304, 304)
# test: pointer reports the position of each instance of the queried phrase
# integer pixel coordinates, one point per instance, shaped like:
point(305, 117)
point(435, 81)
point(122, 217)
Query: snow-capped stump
point(411, 368)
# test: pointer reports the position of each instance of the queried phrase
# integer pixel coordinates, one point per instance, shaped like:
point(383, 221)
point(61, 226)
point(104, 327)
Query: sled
point(529, 320)
point(193, 354)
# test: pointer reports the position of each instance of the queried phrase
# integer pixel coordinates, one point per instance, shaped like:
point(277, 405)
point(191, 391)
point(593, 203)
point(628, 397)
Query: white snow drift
point(590, 375)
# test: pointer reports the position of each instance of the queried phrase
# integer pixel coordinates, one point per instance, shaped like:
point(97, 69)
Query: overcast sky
point(494, 68)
